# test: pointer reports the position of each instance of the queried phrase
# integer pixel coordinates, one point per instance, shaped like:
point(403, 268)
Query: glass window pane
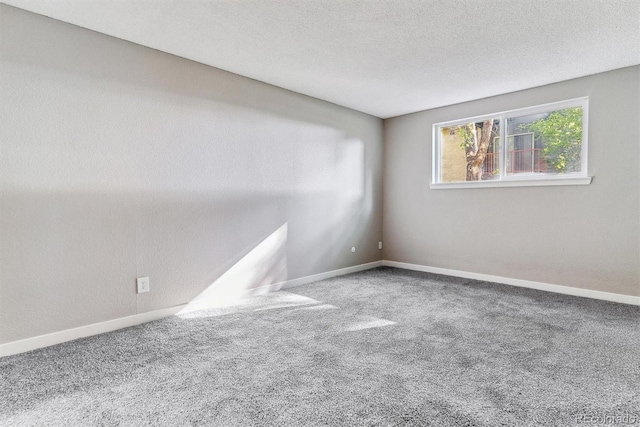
point(470, 151)
point(549, 142)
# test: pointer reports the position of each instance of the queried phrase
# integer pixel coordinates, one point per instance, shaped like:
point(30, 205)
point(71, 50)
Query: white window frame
point(521, 179)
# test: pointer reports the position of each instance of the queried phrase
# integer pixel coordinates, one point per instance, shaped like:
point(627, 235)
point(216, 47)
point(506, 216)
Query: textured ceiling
point(382, 57)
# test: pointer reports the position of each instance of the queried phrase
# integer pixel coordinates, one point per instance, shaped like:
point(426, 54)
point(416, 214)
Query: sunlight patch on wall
point(261, 270)
point(349, 168)
point(231, 149)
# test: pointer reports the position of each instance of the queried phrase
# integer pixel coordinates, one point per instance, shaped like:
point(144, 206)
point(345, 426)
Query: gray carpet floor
point(381, 347)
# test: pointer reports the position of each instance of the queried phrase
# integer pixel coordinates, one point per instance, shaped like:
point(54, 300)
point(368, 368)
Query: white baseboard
point(28, 344)
point(567, 290)
point(329, 274)
point(310, 279)
point(40, 341)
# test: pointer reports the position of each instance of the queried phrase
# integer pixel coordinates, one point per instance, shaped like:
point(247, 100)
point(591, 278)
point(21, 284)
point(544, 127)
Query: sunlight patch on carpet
point(269, 301)
point(319, 307)
point(368, 324)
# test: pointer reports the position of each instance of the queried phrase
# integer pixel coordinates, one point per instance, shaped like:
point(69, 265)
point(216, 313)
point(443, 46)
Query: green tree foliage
point(561, 132)
point(466, 137)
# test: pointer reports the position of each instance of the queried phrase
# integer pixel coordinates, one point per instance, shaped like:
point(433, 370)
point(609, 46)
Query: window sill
point(538, 182)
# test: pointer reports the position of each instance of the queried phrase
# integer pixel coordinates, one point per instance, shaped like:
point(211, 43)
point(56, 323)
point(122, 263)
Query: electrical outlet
point(379, 245)
point(143, 284)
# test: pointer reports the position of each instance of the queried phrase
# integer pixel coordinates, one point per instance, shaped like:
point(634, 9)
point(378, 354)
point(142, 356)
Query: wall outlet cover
point(143, 284)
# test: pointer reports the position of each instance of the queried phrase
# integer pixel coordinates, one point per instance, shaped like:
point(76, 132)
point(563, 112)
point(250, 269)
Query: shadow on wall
point(73, 240)
point(239, 194)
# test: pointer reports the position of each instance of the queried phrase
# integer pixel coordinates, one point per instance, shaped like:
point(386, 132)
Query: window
point(545, 145)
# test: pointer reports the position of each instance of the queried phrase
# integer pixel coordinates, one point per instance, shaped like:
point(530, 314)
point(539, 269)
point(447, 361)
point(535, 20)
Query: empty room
point(322, 212)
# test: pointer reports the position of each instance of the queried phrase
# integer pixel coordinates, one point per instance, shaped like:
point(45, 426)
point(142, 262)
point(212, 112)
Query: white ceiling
point(382, 57)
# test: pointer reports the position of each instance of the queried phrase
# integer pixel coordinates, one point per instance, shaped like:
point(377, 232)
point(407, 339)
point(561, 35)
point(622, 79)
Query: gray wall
point(579, 236)
point(118, 161)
